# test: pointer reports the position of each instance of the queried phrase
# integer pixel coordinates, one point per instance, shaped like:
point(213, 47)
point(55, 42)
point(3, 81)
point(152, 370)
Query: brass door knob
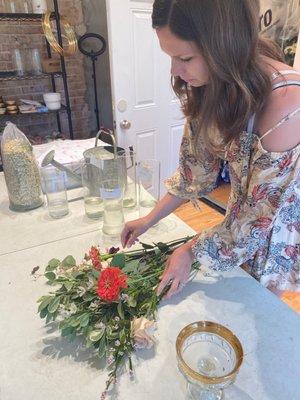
point(125, 124)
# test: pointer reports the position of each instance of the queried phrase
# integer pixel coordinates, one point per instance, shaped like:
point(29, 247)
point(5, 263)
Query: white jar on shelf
point(39, 6)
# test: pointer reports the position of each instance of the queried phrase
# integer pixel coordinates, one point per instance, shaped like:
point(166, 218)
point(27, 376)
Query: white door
point(147, 114)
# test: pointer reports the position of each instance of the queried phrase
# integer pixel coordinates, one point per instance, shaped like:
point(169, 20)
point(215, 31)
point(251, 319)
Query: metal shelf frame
point(55, 16)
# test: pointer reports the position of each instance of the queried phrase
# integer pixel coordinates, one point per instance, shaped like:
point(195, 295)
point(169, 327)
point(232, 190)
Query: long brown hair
point(227, 36)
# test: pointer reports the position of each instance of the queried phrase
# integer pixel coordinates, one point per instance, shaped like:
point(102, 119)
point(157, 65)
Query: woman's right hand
point(133, 229)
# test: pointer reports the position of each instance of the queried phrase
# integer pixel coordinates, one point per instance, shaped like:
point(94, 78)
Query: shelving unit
point(29, 76)
point(37, 18)
point(63, 109)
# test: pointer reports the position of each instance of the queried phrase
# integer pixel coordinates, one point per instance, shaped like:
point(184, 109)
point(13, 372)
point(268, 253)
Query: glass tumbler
point(112, 192)
point(19, 61)
point(149, 185)
point(93, 203)
point(15, 6)
point(34, 64)
point(127, 167)
point(54, 186)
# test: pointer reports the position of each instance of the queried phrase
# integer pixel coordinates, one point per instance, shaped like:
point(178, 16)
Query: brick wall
point(29, 35)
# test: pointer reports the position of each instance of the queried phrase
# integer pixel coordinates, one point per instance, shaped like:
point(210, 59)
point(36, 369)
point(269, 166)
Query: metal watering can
point(103, 163)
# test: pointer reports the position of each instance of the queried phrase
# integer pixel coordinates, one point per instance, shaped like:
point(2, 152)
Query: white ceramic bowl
point(52, 101)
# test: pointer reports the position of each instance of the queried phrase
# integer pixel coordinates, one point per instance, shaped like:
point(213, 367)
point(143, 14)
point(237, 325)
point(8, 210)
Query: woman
point(242, 105)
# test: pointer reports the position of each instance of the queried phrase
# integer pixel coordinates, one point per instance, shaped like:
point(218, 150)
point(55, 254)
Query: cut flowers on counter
point(109, 300)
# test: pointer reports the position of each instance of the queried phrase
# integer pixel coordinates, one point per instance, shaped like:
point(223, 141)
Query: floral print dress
point(262, 224)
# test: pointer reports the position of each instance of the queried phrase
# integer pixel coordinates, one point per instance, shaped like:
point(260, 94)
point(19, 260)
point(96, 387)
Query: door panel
point(141, 87)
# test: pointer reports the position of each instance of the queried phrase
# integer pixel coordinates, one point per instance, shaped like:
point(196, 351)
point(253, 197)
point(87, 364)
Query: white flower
point(117, 343)
point(142, 333)
point(73, 308)
point(99, 325)
point(90, 283)
point(94, 304)
point(81, 290)
point(124, 297)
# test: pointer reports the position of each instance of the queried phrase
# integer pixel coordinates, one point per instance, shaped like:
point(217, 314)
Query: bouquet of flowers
point(108, 299)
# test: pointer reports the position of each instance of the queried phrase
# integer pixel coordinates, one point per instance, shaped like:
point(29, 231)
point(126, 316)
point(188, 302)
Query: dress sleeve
point(198, 169)
point(251, 217)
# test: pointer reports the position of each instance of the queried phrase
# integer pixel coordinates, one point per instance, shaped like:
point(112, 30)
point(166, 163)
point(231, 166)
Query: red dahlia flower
point(110, 283)
point(95, 257)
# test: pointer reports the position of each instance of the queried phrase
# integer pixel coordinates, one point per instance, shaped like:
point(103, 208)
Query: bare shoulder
point(282, 102)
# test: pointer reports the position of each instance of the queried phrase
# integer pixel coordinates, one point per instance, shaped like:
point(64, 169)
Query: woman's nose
point(176, 68)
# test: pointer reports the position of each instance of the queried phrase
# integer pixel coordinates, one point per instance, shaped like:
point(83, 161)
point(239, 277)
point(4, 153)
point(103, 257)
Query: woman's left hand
point(177, 270)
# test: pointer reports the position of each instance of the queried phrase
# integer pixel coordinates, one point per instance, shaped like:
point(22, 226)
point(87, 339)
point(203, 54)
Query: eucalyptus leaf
point(74, 321)
point(102, 347)
point(53, 306)
point(50, 276)
point(52, 264)
point(131, 266)
point(44, 313)
point(95, 273)
point(84, 320)
point(78, 275)
point(67, 331)
point(45, 303)
point(118, 260)
point(68, 262)
point(89, 296)
point(120, 310)
point(68, 285)
point(123, 335)
point(49, 318)
point(72, 336)
point(96, 335)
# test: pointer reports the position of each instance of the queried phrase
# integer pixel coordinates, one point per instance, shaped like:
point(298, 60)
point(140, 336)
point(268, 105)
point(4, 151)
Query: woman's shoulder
point(279, 123)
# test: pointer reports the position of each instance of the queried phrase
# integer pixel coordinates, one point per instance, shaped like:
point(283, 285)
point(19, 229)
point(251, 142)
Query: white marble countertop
point(36, 363)
point(21, 230)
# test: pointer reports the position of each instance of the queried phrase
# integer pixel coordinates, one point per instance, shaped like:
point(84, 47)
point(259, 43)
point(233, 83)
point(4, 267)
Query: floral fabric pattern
point(197, 174)
point(262, 223)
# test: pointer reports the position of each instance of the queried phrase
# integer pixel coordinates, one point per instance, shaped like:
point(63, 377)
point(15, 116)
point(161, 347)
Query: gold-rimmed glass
point(209, 356)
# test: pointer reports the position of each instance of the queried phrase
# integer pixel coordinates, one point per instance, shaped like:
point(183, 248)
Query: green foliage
point(118, 260)
point(106, 327)
point(68, 262)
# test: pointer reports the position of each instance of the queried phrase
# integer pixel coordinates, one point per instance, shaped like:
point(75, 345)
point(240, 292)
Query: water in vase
point(113, 217)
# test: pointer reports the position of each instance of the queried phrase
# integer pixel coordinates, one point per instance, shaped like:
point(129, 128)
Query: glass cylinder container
point(19, 61)
point(16, 6)
point(34, 64)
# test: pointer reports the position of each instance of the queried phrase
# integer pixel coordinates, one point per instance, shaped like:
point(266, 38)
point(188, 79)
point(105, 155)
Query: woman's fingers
point(124, 235)
point(132, 238)
point(165, 280)
point(173, 289)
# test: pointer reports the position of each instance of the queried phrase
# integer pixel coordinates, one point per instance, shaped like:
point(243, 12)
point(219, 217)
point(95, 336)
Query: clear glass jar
point(34, 62)
point(19, 61)
point(15, 6)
